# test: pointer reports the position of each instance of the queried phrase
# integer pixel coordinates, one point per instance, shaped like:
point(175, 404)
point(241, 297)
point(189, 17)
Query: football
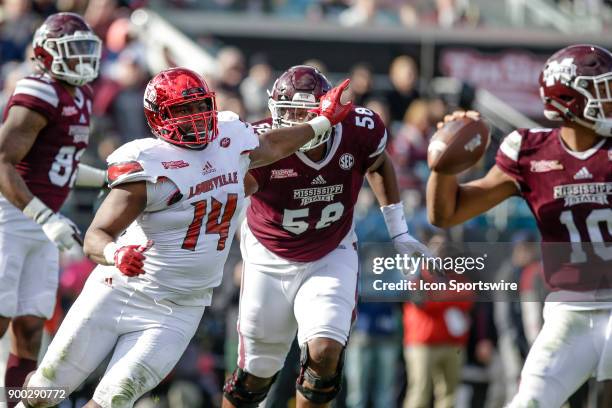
point(457, 145)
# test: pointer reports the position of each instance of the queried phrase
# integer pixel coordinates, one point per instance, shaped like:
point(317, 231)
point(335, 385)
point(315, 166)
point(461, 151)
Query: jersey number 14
point(214, 225)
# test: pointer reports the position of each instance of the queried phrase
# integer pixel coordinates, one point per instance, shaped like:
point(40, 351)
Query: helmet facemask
point(598, 109)
point(76, 57)
point(189, 122)
point(297, 112)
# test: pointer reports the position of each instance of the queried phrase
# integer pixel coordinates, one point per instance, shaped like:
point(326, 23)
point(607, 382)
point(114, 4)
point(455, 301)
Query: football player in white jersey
point(161, 238)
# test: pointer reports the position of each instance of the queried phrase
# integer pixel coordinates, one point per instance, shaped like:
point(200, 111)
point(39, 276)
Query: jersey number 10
point(603, 215)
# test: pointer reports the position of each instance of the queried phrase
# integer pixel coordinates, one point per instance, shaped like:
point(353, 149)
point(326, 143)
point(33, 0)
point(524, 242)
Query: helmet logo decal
point(562, 71)
point(304, 97)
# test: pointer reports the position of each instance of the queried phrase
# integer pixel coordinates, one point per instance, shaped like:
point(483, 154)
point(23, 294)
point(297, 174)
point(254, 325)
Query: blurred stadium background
point(412, 61)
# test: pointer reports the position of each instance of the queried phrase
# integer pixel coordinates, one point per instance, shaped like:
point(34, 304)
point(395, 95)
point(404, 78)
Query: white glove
point(407, 244)
point(59, 229)
point(403, 242)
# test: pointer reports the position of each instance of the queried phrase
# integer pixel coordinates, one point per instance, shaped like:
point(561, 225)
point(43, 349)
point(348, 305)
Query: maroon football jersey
point(569, 195)
point(49, 168)
point(302, 209)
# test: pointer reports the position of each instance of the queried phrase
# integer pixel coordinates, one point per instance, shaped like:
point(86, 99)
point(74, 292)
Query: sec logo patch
point(347, 161)
point(225, 142)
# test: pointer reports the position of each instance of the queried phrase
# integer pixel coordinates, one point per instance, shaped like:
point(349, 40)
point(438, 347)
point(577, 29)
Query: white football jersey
point(193, 231)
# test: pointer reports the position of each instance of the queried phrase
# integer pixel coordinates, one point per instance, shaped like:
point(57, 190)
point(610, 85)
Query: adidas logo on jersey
point(319, 180)
point(208, 168)
point(582, 174)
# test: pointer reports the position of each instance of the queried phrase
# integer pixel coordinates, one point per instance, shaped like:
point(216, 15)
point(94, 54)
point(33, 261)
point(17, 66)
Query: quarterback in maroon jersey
point(565, 175)
point(299, 246)
point(45, 131)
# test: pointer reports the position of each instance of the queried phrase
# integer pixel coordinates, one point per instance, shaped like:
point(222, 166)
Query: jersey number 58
point(329, 214)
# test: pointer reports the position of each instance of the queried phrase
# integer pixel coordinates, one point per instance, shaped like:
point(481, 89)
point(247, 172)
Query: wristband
point(395, 219)
point(109, 252)
point(320, 125)
point(37, 211)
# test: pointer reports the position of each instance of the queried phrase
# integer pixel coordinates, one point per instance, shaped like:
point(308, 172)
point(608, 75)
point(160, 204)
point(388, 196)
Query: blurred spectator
point(254, 89)
point(231, 71)
point(518, 323)
point(361, 12)
point(435, 336)
point(17, 24)
point(100, 14)
point(409, 145)
point(381, 107)
point(480, 354)
point(403, 74)
point(228, 101)
point(361, 83)
point(318, 64)
point(120, 91)
point(44, 8)
point(372, 356)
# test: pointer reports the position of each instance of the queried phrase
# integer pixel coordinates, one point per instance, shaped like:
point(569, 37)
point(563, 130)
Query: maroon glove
point(129, 259)
point(330, 105)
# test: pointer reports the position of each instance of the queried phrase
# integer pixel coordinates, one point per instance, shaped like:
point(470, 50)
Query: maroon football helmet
point(67, 48)
point(576, 85)
point(180, 108)
point(294, 93)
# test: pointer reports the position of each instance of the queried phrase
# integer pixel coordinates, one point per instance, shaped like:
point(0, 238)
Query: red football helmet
point(67, 48)
point(180, 108)
point(295, 92)
point(576, 85)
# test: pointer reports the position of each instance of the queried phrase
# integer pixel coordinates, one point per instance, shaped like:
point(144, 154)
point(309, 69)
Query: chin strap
point(602, 128)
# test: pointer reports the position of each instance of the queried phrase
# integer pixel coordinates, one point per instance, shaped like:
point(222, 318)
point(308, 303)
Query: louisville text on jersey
point(314, 194)
point(583, 193)
point(213, 183)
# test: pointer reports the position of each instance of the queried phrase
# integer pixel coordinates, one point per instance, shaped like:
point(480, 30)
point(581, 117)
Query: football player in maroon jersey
point(565, 175)
point(299, 246)
point(44, 133)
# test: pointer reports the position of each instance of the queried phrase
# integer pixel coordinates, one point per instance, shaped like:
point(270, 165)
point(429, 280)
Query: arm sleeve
point(507, 157)
point(36, 95)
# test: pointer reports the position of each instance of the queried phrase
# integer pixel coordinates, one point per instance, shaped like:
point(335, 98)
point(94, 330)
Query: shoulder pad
point(38, 89)
point(511, 145)
point(227, 116)
point(128, 164)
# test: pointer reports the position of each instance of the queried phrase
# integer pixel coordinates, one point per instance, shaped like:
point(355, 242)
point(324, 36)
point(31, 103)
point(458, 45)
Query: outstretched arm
point(281, 142)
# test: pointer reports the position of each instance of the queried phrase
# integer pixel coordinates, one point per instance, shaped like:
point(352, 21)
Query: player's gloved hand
point(129, 259)
point(331, 105)
point(59, 229)
point(407, 244)
point(403, 242)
